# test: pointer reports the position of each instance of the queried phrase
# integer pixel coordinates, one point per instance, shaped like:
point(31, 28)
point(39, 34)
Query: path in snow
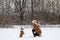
point(13, 34)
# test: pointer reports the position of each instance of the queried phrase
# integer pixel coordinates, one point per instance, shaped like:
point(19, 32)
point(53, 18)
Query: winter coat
point(37, 29)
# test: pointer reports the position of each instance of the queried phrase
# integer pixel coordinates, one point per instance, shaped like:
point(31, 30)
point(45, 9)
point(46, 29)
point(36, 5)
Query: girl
point(36, 29)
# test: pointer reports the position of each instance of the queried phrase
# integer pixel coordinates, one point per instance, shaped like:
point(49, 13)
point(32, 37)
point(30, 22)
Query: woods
point(24, 11)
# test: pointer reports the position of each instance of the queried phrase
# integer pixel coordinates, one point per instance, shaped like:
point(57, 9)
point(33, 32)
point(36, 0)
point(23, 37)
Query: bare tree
point(20, 8)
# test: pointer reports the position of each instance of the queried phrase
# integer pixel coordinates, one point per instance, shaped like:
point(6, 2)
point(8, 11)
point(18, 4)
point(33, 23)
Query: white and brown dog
point(21, 32)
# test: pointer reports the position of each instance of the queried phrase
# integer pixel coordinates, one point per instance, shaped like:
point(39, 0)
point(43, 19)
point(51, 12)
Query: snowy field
point(13, 34)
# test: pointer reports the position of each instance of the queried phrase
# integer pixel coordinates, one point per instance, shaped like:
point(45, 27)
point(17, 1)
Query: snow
point(13, 34)
point(44, 26)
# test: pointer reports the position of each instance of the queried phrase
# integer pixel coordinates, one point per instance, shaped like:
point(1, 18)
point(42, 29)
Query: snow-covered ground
point(13, 34)
point(43, 26)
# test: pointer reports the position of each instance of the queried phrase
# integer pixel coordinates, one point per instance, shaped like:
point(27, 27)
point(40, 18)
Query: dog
point(21, 32)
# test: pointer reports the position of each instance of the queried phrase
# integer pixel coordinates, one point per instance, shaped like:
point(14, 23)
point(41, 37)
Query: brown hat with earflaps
point(34, 21)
